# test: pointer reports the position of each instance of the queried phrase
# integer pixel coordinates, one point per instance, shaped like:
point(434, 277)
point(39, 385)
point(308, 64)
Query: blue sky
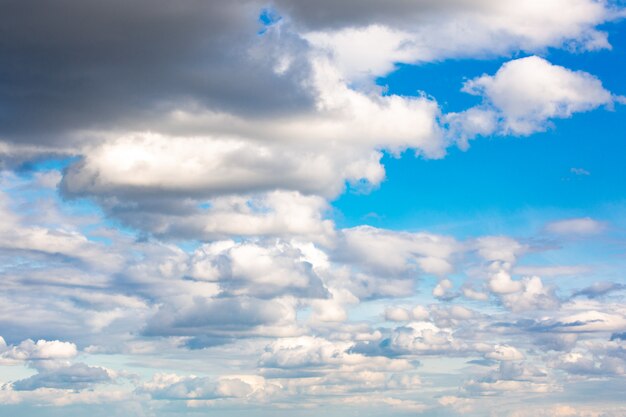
point(503, 176)
point(293, 208)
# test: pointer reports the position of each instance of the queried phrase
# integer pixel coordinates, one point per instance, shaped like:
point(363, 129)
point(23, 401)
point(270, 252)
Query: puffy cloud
point(312, 353)
point(421, 338)
point(499, 248)
point(75, 376)
point(500, 282)
point(398, 252)
point(238, 316)
point(529, 91)
point(430, 31)
point(505, 353)
point(443, 290)
point(397, 314)
point(512, 377)
point(258, 270)
point(42, 350)
point(532, 295)
point(149, 163)
point(529, 293)
point(593, 321)
point(175, 387)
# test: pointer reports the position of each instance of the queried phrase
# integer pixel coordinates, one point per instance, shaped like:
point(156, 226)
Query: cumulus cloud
point(505, 353)
point(512, 377)
point(75, 376)
point(523, 96)
point(428, 31)
point(395, 253)
point(499, 248)
point(253, 269)
point(421, 338)
point(42, 350)
point(175, 387)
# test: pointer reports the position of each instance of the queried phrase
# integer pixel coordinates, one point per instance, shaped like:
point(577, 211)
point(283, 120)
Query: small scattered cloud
point(576, 226)
point(579, 171)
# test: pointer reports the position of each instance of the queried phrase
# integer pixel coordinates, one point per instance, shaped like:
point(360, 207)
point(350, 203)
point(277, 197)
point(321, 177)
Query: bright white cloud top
point(172, 240)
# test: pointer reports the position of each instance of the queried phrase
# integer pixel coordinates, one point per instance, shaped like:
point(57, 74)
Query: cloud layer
point(170, 241)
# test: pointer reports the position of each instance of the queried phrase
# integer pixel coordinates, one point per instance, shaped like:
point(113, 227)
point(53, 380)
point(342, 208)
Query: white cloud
point(273, 269)
point(505, 353)
point(527, 92)
point(397, 314)
point(577, 226)
point(397, 252)
point(42, 350)
point(438, 30)
point(552, 270)
point(499, 248)
point(579, 171)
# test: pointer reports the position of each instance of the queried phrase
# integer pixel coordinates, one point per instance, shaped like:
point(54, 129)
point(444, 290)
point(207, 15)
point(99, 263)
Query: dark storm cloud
point(75, 64)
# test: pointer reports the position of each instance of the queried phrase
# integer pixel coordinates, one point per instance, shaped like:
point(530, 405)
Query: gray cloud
point(328, 14)
point(599, 289)
point(75, 376)
point(85, 64)
point(229, 316)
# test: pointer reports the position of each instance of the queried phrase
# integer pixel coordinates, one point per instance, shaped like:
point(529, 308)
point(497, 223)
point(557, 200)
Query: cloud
point(253, 269)
point(257, 75)
point(190, 64)
point(599, 289)
point(196, 315)
point(577, 226)
point(179, 160)
point(42, 350)
point(399, 252)
point(76, 376)
point(421, 338)
point(499, 248)
point(175, 387)
point(524, 95)
point(429, 31)
point(552, 270)
point(593, 321)
point(505, 353)
point(197, 125)
point(516, 377)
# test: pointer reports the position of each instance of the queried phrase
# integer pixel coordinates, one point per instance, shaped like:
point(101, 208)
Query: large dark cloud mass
point(75, 64)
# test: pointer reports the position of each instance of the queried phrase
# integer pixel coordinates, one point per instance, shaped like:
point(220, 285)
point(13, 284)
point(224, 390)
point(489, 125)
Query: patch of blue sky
point(500, 179)
point(575, 168)
point(46, 164)
point(267, 18)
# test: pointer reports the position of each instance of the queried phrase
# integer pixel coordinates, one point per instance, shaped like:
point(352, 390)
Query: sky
point(287, 208)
